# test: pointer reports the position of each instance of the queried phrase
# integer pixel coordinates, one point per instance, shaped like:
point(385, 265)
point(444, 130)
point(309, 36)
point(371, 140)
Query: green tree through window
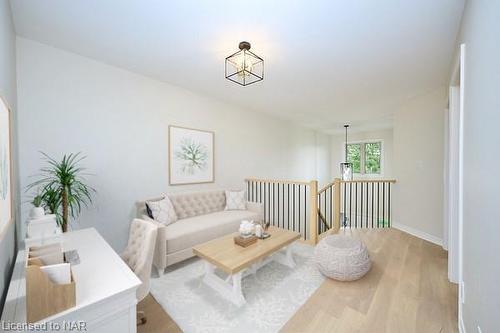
point(366, 157)
point(372, 157)
point(354, 157)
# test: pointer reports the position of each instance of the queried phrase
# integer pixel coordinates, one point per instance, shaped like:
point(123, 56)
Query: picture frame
point(190, 155)
point(6, 176)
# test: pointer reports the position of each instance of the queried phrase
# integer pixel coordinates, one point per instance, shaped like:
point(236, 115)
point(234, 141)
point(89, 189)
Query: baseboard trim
point(418, 233)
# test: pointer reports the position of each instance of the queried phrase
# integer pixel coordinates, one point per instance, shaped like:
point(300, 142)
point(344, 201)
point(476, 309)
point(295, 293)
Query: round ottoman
point(342, 258)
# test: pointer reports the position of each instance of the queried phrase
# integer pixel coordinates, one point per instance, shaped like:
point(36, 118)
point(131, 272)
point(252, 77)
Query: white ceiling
point(326, 62)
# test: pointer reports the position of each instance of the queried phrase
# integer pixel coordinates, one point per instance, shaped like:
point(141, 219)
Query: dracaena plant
point(63, 187)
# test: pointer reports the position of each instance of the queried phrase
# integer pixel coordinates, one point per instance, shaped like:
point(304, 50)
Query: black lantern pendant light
point(346, 167)
point(244, 67)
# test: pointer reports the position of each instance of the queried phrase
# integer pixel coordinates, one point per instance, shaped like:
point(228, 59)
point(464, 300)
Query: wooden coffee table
point(238, 261)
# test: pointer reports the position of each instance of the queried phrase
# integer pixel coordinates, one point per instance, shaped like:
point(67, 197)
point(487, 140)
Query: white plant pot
point(37, 212)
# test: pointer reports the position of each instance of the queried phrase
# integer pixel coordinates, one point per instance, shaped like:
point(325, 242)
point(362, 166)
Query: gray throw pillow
point(162, 211)
point(235, 200)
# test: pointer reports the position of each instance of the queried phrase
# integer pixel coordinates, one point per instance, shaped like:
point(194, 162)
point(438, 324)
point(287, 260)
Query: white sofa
point(201, 217)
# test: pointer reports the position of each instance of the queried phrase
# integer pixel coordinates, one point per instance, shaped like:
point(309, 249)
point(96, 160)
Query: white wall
point(68, 103)
point(337, 151)
point(8, 92)
point(323, 159)
point(418, 165)
point(481, 214)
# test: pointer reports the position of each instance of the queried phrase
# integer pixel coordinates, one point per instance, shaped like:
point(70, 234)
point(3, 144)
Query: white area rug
point(273, 295)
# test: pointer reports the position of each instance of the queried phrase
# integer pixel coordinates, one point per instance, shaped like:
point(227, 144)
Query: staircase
point(302, 207)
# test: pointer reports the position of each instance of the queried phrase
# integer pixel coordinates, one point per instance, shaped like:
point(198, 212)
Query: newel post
point(313, 220)
point(336, 205)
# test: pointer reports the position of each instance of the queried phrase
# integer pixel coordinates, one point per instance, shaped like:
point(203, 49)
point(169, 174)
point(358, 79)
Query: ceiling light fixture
point(244, 67)
point(346, 167)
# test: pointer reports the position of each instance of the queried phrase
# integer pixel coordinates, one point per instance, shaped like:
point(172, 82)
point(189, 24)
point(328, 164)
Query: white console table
point(105, 288)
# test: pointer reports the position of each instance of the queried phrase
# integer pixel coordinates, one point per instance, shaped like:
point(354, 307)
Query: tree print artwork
point(5, 169)
point(193, 156)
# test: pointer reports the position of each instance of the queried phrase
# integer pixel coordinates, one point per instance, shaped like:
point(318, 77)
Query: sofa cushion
point(188, 232)
point(162, 210)
point(236, 200)
point(197, 203)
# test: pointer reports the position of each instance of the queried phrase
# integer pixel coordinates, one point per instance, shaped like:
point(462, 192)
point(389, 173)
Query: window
point(366, 157)
point(354, 156)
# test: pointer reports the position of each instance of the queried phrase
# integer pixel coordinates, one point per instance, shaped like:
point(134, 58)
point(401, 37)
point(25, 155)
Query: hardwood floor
point(406, 291)
point(158, 321)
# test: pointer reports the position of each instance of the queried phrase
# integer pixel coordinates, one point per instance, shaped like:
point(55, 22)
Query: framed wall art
point(190, 155)
point(5, 166)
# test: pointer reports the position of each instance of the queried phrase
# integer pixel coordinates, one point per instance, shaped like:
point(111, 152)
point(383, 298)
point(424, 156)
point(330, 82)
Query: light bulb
point(243, 64)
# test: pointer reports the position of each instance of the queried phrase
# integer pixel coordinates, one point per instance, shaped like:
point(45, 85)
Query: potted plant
point(64, 187)
point(52, 201)
point(37, 210)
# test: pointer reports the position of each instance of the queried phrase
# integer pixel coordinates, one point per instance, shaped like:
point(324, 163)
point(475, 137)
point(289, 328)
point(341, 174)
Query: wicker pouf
point(342, 258)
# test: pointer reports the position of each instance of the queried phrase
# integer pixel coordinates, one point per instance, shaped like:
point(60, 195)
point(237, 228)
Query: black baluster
point(274, 204)
point(305, 211)
point(327, 208)
point(299, 216)
point(367, 205)
point(288, 206)
point(269, 202)
point(331, 206)
point(264, 203)
point(383, 204)
point(372, 205)
point(293, 207)
point(343, 221)
point(255, 191)
point(355, 205)
point(361, 202)
point(254, 199)
point(279, 205)
point(350, 204)
point(283, 204)
point(378, 205)
point(389, 205)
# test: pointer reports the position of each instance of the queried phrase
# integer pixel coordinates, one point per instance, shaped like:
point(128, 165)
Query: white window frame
point(362, 154)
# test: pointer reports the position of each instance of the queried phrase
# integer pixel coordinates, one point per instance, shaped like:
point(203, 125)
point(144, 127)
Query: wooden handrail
point(369, 181)
point(278, 181)
point(326, 187)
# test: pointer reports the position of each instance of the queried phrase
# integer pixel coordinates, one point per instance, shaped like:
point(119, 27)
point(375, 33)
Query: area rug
point(273, 295)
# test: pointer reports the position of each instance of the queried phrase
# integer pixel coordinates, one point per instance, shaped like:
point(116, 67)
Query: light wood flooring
point(406, 291)
point(158, 321)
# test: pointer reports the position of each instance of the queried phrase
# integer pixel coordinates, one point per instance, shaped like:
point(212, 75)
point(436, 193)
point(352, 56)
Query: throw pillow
point(235, 200)
point(162, 210)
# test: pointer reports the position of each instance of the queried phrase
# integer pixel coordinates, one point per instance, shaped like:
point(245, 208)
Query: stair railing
point(301, 207)
point(288, 204)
